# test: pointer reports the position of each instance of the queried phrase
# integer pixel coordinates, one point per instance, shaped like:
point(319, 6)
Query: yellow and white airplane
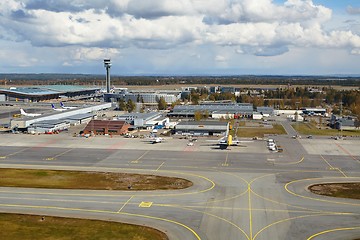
point(227, 141)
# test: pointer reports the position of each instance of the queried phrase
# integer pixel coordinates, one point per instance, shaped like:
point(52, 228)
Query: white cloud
point(220, 58)
point(260, 28)
point(355, 51)
point(353, 10)
point(86, 54)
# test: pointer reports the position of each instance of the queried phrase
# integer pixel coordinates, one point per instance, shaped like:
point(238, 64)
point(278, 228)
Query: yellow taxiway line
point(333, 168)
point(333, 230)
point(104, 211)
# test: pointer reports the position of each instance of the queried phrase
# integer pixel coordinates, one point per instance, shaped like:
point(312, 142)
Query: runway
point(244, 193)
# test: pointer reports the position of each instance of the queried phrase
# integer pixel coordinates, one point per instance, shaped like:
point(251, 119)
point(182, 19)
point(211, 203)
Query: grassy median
point(88, 180)
point(260, 131)
point(29, 227)
point(340, 190)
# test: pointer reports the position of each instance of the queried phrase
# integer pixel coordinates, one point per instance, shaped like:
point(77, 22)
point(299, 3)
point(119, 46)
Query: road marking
point(285, 220)
point(333, 230)
point(125, 204)
point(292, 163)
point(104, 211)
point(250, 212)
point(271, 161)
point(339, 169)
point(318, 199)
point(217, 217)
point(11, 154)
point(150, 204)
point(333, 168)
point(229, 198)
point(160, 166)
point(63, 153)
point(193, 207)
point(209, 188)
point(58, 155)
point(165, 220)
point(225, 164)
point(286, 204)
point(145, 204)
point(137, 160)
point(346, 151)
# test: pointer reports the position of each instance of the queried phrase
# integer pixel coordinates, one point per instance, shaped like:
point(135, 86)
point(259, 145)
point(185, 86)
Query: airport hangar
point(149, 97)
point(43, 93)
point(218, 111)
point(202, 128)
point(59, 120)
point(147, 121)
point(128, 121)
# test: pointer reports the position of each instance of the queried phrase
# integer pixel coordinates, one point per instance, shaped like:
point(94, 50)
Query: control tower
point(107, 65)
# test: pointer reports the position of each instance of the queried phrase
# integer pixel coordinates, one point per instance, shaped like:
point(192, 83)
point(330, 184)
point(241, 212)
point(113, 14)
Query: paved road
point(243, 193)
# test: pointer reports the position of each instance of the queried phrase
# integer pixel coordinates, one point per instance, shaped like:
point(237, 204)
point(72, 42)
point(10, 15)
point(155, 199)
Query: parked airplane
point(57, 109)
point(228, 140)
point(156, 140)
point(29, 114)
point(64, 107)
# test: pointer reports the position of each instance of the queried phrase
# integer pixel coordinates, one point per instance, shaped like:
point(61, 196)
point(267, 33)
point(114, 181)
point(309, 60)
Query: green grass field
point(23, 227)
point(311, 129)
point(87, 180)
point(261, 131)
point(30, 227)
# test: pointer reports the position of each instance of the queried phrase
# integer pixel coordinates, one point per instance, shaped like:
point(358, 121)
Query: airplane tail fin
point(22, 111)
point(61, 104)
point(52, 106)
point(229, 140)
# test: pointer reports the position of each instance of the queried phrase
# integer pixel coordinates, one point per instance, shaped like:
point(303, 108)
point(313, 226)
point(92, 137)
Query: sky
point(181, 37)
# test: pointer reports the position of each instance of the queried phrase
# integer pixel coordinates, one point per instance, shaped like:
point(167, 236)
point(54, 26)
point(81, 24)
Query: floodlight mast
point(107, 65)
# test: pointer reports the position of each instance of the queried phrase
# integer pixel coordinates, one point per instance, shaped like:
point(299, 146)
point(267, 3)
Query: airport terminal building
point(145, 120)
point(57, 121)
point(43, 93)
point(146, 97)
point(216, 111)
point(202, 128)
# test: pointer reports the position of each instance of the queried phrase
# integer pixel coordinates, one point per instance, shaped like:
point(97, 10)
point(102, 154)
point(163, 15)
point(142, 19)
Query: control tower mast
point(107, 65)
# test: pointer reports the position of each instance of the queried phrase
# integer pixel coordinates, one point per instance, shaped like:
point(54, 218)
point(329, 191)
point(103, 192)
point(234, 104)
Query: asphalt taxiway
point(245, 193)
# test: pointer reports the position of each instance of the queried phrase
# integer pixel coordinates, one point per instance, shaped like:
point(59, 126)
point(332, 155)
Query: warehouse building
point(102, 127)
point(216, 111)
point(149, 120)
point(49, 126)
point(56, 125)
point(265, 111)
point(146, 97)
point(202, 128)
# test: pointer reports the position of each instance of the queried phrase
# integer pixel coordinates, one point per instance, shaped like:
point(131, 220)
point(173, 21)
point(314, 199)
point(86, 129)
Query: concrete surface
point(245, 192)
